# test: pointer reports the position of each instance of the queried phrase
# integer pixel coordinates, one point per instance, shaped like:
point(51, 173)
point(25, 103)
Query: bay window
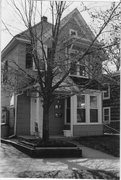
point(93, 109)
point(81, 109)
point(88, 108)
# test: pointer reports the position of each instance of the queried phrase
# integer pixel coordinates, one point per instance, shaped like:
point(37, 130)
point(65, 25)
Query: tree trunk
point(46, 108)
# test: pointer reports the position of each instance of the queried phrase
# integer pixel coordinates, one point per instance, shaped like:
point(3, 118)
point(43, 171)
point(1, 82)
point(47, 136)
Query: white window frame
point(108, 97)
point(97, 108)
point(87, 108)
point(4, 114)
point(72, 30)
point(107, 122)
point(78, 72)
point(65, 121)
point(82, 108)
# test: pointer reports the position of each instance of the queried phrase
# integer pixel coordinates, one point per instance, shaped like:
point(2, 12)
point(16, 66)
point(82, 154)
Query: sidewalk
point(92, 153)
point(13, 163)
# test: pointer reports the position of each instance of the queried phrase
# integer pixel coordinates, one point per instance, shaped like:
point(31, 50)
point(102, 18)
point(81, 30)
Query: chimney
point(44, 18)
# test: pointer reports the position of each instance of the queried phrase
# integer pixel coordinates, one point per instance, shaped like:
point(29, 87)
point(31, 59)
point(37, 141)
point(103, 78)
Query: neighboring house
point(111, 103)
point(73, 115)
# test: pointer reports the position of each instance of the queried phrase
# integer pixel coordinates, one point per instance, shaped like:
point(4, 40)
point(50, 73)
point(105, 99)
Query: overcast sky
point(15, 25)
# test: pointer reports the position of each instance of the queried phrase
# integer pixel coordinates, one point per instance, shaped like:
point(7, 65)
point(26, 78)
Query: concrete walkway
point(92, 153)
point(13, 162)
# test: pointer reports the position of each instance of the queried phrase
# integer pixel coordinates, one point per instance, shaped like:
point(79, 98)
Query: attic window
point(73, 32)
point(106, 91)
point(5, 70)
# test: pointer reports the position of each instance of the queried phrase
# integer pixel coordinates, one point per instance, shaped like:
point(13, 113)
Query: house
point(111, 103)
point(74, 114)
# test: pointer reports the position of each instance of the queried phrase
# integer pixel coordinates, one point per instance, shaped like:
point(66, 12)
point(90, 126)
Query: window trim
point(65, 122)
point(87, 107)
point(108, 97)
point(107, 122)
point(77, 72)
point(95, 108)
point(81, 108)
point(72, 30)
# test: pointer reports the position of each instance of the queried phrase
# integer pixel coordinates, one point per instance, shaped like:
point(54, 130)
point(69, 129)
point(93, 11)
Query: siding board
point(23, 115)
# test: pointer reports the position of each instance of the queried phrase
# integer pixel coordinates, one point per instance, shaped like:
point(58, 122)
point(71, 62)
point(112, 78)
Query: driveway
point(14, 163)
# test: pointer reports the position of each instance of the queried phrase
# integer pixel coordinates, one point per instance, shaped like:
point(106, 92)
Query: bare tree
point(51, 68)
point(110, 37)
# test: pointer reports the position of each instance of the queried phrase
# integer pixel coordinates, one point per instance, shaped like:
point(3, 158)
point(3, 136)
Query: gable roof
point(47, 26)
point(80, 21)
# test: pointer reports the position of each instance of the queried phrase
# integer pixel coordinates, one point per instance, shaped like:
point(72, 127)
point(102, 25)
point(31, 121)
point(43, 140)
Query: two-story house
point(76, 114)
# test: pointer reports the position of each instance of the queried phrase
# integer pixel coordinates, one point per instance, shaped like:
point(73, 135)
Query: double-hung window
point(93, 109)
point(29, 61)
point(81, 111)
point(106, 114)
point(78, 69)
point(106, 92)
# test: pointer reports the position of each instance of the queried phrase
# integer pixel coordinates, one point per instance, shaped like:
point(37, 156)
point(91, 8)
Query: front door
point(56, 117)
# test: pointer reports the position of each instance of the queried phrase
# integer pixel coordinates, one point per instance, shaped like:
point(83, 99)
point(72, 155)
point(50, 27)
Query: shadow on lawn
point(109, 144)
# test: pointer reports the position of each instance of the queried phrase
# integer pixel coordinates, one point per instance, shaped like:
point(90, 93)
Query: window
point(106, 114)
point(4, 73)
point(106, 92)
point(4, 115)
point(29, 62)
point(78, 70)
point(59, 108)
point(81, 109)
point(12, 100)
point(93, 109)
point(73, 32)
point(68, 111)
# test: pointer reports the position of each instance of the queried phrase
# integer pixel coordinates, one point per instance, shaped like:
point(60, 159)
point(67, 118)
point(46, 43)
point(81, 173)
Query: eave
point(12, 44)
point(81, 42)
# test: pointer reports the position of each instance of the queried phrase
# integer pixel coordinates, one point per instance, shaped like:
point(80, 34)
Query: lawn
point(49, 143)
point(107, 143)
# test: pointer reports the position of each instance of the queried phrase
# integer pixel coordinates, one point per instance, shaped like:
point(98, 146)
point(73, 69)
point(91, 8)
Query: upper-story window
point(5, 70)
point(78, 69)
point(29, 61)
point(72, 32)
point(106, 92)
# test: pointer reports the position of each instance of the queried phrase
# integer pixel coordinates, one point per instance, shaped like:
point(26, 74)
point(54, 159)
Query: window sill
point(87, 123)
point(3, 124)
point(78, 76)
point(106, 98)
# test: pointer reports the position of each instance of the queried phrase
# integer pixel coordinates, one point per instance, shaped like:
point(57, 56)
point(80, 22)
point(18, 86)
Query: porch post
point(39, 114)
point(15, 101)
point(73, 112)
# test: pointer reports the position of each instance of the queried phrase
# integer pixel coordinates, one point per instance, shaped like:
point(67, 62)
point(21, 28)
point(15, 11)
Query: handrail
point(111, 128)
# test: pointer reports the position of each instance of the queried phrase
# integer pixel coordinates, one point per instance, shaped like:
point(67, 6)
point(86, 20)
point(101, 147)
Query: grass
point(109, 144)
